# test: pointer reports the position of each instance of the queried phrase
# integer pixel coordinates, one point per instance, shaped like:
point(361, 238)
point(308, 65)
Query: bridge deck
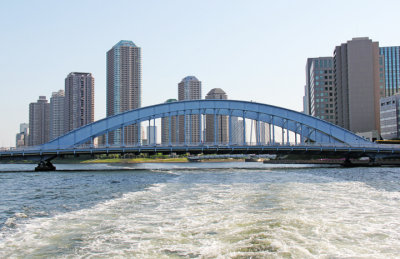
point(373, 150)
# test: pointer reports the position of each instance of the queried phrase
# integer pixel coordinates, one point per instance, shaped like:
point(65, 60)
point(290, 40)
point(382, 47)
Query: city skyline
point(229, 45)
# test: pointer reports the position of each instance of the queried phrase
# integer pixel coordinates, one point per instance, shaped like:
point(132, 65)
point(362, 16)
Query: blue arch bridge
point(251, 128)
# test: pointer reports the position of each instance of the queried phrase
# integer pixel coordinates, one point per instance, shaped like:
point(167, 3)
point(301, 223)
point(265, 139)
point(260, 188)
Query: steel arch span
point(307, 127)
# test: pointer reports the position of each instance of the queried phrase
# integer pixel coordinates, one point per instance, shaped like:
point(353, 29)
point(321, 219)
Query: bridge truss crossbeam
point(186, 125)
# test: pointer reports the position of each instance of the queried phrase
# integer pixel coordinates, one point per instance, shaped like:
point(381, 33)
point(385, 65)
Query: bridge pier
point(45, 166)
point(373, 161)
point(347, 163)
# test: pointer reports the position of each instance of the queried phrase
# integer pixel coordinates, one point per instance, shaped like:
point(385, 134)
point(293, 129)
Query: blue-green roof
point(190, 78)
point(125, 43)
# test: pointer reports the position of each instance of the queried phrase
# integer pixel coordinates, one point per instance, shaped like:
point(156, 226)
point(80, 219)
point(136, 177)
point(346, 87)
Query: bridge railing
point(205, 145)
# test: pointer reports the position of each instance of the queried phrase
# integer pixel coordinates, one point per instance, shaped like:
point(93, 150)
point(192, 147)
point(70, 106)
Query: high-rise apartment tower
point(169, 133)
point(39, 118)
point(79, 100)
point(124, 86)
point(217, 126)
point(189, 126)
point(57, 111)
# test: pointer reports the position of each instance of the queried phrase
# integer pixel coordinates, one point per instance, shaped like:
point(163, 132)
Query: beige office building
point(189, 89)
point(39, 119)
point(79, 100)
point(217, 125)
point(357, 74)
point(124, 87)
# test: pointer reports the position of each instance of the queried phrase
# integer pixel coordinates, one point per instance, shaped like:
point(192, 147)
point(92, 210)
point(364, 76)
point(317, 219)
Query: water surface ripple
point(206, 210)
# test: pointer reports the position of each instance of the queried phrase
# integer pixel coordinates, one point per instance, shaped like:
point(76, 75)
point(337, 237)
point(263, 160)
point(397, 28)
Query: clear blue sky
point(254, 50)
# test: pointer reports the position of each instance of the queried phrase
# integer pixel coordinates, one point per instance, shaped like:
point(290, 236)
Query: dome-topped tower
point(217, 128)
point(217, 93)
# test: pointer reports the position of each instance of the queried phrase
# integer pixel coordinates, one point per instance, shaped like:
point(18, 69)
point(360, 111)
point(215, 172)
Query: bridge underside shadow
point(307, 152)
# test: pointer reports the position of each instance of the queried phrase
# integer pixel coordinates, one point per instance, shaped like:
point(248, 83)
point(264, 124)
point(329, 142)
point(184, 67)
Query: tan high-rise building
point(79, 100)
point(189, 89)
point(124, 86)
point(217, 126)
point(39, 118)
point(357, 87)
point(169, 128)
point(57, 111)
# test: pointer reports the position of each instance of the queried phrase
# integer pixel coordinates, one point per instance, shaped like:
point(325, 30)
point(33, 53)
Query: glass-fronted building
point(391, 72)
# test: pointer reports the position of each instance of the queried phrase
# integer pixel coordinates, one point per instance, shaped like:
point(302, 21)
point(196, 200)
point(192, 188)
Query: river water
point(201, 210)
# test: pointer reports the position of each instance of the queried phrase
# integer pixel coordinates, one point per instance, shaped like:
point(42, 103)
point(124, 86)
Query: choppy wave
point(220, 214)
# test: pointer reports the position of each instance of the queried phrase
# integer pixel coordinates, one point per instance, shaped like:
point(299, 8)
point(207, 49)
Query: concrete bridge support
point(45, 166)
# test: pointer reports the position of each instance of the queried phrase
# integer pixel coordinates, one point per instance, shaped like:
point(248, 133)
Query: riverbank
point(153, 160)
point(80, 160)
point(136, 160)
